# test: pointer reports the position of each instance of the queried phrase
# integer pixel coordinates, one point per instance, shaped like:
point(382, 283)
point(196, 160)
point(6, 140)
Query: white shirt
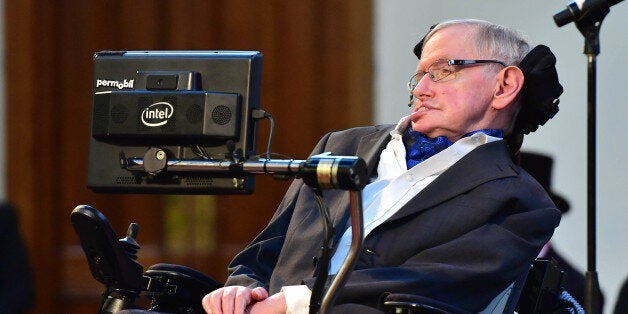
point(394, 186)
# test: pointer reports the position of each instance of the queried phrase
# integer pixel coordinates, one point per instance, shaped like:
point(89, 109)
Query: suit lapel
point(371, 146)
point(369, 149)
point(485, 163)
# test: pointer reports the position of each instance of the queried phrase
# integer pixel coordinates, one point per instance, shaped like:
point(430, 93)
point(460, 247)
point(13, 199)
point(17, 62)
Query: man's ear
point(509, 83)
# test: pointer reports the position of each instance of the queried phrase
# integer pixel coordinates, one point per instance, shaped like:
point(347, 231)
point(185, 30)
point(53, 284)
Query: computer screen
point(182, 106)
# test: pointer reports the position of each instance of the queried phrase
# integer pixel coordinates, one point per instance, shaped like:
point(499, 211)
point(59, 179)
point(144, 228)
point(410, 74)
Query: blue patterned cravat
point(419, 147)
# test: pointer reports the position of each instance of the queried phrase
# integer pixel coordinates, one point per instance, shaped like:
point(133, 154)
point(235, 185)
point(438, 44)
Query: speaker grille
point(194, 114)
point(128, 180)
point(221, 115)
point(119, 113)
point(197, 181)
point(100, 119)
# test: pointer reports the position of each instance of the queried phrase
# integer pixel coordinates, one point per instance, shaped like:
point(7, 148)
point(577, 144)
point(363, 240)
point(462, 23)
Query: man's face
point(460, 103)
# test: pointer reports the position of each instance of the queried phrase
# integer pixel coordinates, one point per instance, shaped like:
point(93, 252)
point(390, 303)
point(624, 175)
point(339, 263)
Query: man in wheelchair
point(449, 215)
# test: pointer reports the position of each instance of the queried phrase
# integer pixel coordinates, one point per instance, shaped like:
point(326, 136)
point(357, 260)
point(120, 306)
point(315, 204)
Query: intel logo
point(157, 114)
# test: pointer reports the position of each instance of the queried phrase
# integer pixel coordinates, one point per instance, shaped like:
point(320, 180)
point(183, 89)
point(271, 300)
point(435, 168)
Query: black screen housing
point(192, 104)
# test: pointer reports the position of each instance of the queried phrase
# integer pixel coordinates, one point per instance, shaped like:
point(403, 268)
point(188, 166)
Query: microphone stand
point(589, 23)
point(592, 285)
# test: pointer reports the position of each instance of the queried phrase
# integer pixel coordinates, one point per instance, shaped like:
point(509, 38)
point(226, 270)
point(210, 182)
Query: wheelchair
point(537, 292)
point(170, 288)
point(178, 289)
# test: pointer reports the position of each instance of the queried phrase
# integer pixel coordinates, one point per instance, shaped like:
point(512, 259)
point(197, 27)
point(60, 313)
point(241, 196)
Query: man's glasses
point(443, 68)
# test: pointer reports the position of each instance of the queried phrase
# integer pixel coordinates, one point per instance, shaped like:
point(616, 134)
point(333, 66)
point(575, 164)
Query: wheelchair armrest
point(177, 288)
point(416, 304)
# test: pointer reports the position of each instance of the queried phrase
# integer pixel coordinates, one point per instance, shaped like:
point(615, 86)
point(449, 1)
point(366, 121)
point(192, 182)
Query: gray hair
point(492, 40)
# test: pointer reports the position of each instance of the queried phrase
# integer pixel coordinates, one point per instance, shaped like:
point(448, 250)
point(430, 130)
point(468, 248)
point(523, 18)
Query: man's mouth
point(422, 108)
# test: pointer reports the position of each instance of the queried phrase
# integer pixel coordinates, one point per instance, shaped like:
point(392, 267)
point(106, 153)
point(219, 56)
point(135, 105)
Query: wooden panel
point(317, 78)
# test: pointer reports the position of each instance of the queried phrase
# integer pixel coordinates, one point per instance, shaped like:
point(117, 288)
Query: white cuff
point(297, 299)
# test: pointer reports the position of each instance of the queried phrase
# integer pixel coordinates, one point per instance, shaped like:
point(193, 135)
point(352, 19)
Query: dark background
point(316, 78)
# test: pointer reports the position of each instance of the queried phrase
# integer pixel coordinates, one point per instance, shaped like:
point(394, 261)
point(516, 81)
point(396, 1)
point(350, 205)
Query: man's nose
point(423, 87)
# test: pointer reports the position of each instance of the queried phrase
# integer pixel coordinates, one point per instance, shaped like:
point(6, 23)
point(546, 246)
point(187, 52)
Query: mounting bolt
point(238, 183)
point(160, 155)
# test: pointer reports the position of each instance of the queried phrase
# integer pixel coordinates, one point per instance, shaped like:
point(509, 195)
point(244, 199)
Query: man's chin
point(421, 128)
point(429, 132)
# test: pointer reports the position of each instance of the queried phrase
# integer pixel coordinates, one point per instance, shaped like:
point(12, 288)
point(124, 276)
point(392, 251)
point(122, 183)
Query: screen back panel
point(192, 104)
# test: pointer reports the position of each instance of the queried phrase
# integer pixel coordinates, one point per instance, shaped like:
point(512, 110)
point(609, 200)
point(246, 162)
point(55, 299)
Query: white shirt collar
point(393, 158)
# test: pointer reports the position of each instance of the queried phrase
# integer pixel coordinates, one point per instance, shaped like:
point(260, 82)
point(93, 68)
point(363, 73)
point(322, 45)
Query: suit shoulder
point(360, 131)
point(346, 142)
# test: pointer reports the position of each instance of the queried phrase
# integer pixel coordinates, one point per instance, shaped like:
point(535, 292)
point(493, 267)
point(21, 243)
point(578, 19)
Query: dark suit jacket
point(462, 240)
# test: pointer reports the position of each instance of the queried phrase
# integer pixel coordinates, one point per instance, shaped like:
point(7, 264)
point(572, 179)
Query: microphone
point(581, 8)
